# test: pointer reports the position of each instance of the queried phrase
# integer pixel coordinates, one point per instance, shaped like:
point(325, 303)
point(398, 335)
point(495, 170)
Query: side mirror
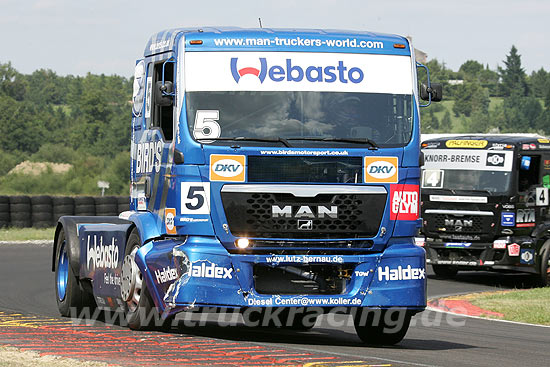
point(164, 93)
point(436, 91)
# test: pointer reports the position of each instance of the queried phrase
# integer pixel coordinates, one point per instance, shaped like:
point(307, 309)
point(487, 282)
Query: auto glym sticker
point(404, 202)
point(381, 170)
point(227, 167)
point(170, 220)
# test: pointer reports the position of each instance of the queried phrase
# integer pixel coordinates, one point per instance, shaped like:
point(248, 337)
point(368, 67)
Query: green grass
point(531, 306)
point(24, 234)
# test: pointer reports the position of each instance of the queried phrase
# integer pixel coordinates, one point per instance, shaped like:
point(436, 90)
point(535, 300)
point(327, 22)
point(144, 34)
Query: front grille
point(477, 223)
point(251, 215)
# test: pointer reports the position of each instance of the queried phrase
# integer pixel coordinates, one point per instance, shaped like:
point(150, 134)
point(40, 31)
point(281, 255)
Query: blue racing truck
point(270, 168)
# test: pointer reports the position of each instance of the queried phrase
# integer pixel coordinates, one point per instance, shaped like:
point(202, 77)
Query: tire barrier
point(62, 205)
point(44, 211)
point(84, 205)
point(4, 211)
point(20, 211)
point(106, 205)
point(41, 211)
point(123, 203)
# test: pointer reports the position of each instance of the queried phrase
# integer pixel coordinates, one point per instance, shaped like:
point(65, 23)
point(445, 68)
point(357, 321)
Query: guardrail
point(43, 211)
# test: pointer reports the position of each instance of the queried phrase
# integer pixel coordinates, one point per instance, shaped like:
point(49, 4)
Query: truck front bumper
point(514, 254)
point(200, 272)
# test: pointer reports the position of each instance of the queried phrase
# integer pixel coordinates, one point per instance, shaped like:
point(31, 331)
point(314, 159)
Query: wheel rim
point(548, 272)
point(62, 272)
point(132, 281)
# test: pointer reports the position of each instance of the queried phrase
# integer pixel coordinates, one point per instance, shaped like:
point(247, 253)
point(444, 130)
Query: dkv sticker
point(227, 167)
point(381, 170)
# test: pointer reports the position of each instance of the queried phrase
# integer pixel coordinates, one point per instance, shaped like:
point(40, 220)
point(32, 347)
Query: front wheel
point(381, 327)
point(140, 310)
point(133, 289)
point(445, 271)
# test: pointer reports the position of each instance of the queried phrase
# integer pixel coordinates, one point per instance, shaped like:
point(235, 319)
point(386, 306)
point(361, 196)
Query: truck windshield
point(322, 98)
point(489, 171)
point(385, 119)
point(494, 182)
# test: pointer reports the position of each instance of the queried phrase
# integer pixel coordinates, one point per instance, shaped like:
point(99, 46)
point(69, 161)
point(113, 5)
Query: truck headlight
point(242, 243)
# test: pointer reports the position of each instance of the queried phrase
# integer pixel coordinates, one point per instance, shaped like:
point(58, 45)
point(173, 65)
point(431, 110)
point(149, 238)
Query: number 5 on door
point(195, 198)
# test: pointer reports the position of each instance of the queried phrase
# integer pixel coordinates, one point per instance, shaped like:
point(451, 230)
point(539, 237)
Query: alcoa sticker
point(381, 170)
point(169, 219)
point(227, 167)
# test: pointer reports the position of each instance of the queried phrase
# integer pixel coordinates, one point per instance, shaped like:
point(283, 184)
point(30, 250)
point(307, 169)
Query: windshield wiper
point(343, 140)
point(242, 138)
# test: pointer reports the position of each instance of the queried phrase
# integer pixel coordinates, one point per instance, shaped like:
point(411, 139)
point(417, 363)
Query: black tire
point(63, 208)
point(140, 311)
point(62, 200)
point(544, 274)
point(42, 208)
point(20, 200)
point(74, 297)
point(100, 200)
point(123, 200)
point(4, 199)
point(20, 208)
point(85, 210)
point(41, 200)
point(5, 216)
point(445, 271)
point(41, 217)
point(18, 216)
point(4, 207)
point(371, 326)
point(106, 209)
point(84, 200)
point(123, 207)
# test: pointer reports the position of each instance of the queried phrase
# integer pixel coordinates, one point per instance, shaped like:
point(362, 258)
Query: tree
point(429, 121)
point(519, 114)
point(446, 125)
point(471, 97)
point(513, 77)
point(470, 70)
point(539, 82)
point(12, 83)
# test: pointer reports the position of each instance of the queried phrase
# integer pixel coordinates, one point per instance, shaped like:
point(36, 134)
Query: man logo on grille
point(305, 225)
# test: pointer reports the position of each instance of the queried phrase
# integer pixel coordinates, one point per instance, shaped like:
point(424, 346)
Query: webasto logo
point(100, 255)
point(292, 72)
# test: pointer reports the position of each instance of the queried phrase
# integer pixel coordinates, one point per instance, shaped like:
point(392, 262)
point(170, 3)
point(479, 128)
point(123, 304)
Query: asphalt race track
point(29, 320)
